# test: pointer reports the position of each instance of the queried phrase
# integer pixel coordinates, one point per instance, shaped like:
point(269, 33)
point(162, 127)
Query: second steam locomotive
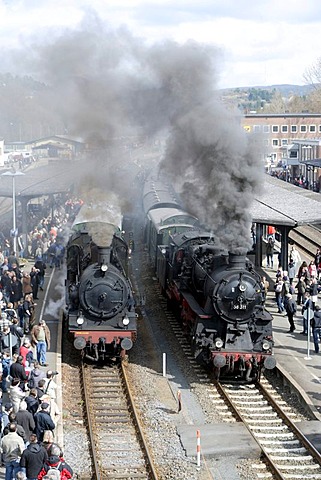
point(100, 306)
point(215, 294)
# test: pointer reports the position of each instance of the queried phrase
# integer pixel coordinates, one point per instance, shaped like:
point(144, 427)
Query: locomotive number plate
point(239, 307)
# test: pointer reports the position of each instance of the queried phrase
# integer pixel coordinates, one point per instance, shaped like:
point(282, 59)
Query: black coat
point(33, 458)
point(17, 370)
point(43, 422)
point(25, 419)
point(32, 404)
point(316, 321)
point(291, 307)
point(15, 291)
point(40, 265)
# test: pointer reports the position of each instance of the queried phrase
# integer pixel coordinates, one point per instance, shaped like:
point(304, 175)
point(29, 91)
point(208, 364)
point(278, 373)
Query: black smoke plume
point(108, 84)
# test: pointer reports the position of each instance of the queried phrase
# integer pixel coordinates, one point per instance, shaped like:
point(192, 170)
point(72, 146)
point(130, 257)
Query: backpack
point(54, 472)
point(31, 380)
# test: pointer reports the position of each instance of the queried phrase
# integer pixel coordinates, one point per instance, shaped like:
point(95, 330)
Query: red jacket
point(66, 471)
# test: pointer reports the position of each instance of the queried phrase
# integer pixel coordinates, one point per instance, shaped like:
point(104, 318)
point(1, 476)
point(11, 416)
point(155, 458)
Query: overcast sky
point(261, 42)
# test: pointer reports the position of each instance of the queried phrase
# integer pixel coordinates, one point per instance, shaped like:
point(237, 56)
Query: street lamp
point(13, 173)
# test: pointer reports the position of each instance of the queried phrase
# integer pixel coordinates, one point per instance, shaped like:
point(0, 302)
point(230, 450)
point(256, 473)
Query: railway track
point(307, 238)
point(118, 447)
point(287, 452)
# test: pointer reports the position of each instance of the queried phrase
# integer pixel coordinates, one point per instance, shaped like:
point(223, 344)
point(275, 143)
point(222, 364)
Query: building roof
point(282, 203)
point(53, 178)
point(316, 162)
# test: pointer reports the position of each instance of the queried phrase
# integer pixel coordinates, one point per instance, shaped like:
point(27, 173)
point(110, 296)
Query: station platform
point(294, 352)
point(47, 308)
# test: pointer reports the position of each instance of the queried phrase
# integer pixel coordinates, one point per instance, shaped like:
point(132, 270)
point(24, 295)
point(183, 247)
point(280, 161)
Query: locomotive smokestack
point(237, 260)
point(103, 255)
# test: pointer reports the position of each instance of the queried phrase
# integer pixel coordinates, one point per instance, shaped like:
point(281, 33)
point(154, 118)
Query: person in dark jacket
point(41, 388)
point(28, 312)
point(17, 331)
point(33, 458)
point(32, 401)
point(55, 460)
point(307, 306)
point(25, 419)
point(41, 266)
point(291, 309)
point(15, 291)
point(17, 370)
point(35, 281)
point(43, 421)
point(316, 328)
point(19, 429)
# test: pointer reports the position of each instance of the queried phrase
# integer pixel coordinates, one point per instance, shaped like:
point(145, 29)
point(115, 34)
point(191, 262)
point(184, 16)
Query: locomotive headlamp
point(242, 287)
point(80, 319)
point(104, 267)
point(266, 346)
point(218, 343)
point(125, 321)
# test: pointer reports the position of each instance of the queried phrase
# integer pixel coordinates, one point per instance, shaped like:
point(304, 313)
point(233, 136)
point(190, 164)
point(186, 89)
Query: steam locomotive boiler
point(100, 307)
point(217, 297)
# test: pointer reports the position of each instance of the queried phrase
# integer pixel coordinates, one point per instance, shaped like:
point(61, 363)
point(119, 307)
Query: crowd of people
point(28, 408)
point(300, 181)
point(298, 286)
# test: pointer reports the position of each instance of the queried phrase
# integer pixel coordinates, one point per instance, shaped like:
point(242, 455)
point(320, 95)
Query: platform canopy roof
point(282, 203)
point(57, 177)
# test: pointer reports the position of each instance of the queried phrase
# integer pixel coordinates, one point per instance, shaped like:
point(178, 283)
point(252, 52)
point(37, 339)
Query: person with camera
point(50, 386)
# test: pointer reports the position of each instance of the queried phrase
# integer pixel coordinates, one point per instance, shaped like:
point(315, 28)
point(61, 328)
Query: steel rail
point(96, 464)
point(303, 439)
point(99, 471)
point(139, 427)
point(300, 436)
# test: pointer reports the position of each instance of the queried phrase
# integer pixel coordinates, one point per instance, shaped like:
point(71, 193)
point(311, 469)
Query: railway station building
point(55, 146)
point(291, 142)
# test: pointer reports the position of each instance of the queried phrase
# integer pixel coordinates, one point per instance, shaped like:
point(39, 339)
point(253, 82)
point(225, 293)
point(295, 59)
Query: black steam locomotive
point(216, 294)
point(100, 309)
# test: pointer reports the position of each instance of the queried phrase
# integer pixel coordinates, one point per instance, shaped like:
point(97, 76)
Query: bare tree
point(312, 74)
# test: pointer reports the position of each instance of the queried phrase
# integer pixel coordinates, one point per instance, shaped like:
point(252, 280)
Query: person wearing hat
point(50, 385)
point(291, 308)
point(40, 337)
point(43, 421)
point(54, 411)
